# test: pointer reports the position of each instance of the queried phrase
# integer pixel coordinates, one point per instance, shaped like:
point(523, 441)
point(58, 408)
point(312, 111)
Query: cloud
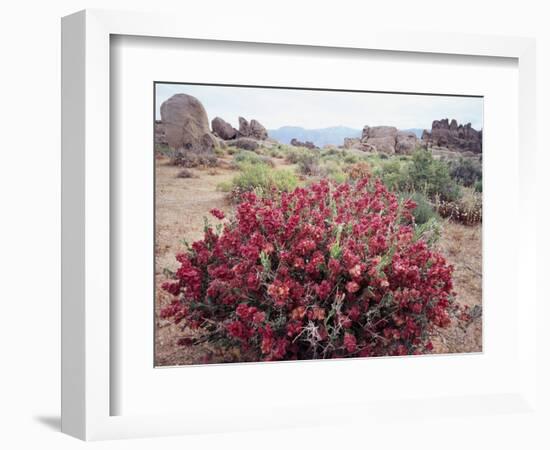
point(318, 109)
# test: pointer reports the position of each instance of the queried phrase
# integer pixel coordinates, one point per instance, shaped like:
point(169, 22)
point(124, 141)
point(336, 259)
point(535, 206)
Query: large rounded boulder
point(252, 129)
point(257, 130)
point(186, 124)
point(223, 129)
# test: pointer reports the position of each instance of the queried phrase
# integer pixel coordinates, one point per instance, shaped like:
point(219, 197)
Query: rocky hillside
point(184, 125)
point(383, 139)
point(455, 137)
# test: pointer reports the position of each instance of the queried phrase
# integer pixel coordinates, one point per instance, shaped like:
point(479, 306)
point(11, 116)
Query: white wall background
point(30, 196)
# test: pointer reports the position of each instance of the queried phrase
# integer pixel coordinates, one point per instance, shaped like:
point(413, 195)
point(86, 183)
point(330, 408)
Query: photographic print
point(305, 224)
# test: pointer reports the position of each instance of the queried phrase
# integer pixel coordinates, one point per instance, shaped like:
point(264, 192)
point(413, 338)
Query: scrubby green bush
point(296, 154)
point(392, 174)
point(308, 164)
point(261, 179)
point(163, 149)
point(247, 157)
point(338, 176)
point(430, 176)
point(466, 171)
point(424, 211)
point(276, 153)
point(350, 158)
point(330, 152)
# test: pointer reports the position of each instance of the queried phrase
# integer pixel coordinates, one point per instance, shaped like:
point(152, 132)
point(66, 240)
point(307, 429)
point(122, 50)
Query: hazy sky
point(318, 109)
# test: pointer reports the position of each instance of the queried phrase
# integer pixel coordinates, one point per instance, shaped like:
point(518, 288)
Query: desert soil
point(181, 205)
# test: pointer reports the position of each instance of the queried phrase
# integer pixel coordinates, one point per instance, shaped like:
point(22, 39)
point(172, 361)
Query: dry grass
point(462, 247)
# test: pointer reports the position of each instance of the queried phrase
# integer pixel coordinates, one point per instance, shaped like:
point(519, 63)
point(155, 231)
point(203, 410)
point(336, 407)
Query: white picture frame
point(86, 222)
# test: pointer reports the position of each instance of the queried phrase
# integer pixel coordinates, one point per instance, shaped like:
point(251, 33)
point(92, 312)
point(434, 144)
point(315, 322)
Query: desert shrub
point(431, 177)
point(308, 164)
point(232, 150)
point(163, 149)
point(296, 154)
point(424, 210)
point(276, 153)
point(190, 159)
point(293, 155)
point(326, 271)
point(467, 210)
point(350, 158)
point(338, 176)
point(330, 152)
point(186, 173)
point(358, 170)
point(225, 186)
point(260, 179)
point(466, 171)
point(392, 175)
point(246, 157)
point(332, 170)
point(478, 186)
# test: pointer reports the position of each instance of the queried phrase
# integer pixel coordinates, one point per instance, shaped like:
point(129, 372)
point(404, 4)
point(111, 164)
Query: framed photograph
point(290, 243)
point(247, 246)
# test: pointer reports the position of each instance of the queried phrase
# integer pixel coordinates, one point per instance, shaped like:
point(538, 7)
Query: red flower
point(279, 291)
point(323, 289)
point(352, 287)
point(259, 317)
point(356, 271)
point(217, 213)
point(350, 342)
point(242, 311)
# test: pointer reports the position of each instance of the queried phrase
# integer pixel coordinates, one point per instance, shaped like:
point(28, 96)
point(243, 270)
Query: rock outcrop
point(355, 143)
point(223, 129)
point(383, 139)
point(254, 129)
point(455, 137)
point(244, 127)
point(257, 130)
point(244, 143)
point(308, 144)
point(186, 124)
point(405, 142)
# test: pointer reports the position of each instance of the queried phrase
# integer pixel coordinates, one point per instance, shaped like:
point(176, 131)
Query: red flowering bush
point(322, 272)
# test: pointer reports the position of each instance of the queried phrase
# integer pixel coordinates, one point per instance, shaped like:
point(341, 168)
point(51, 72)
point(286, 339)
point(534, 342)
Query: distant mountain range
point(322, 136)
